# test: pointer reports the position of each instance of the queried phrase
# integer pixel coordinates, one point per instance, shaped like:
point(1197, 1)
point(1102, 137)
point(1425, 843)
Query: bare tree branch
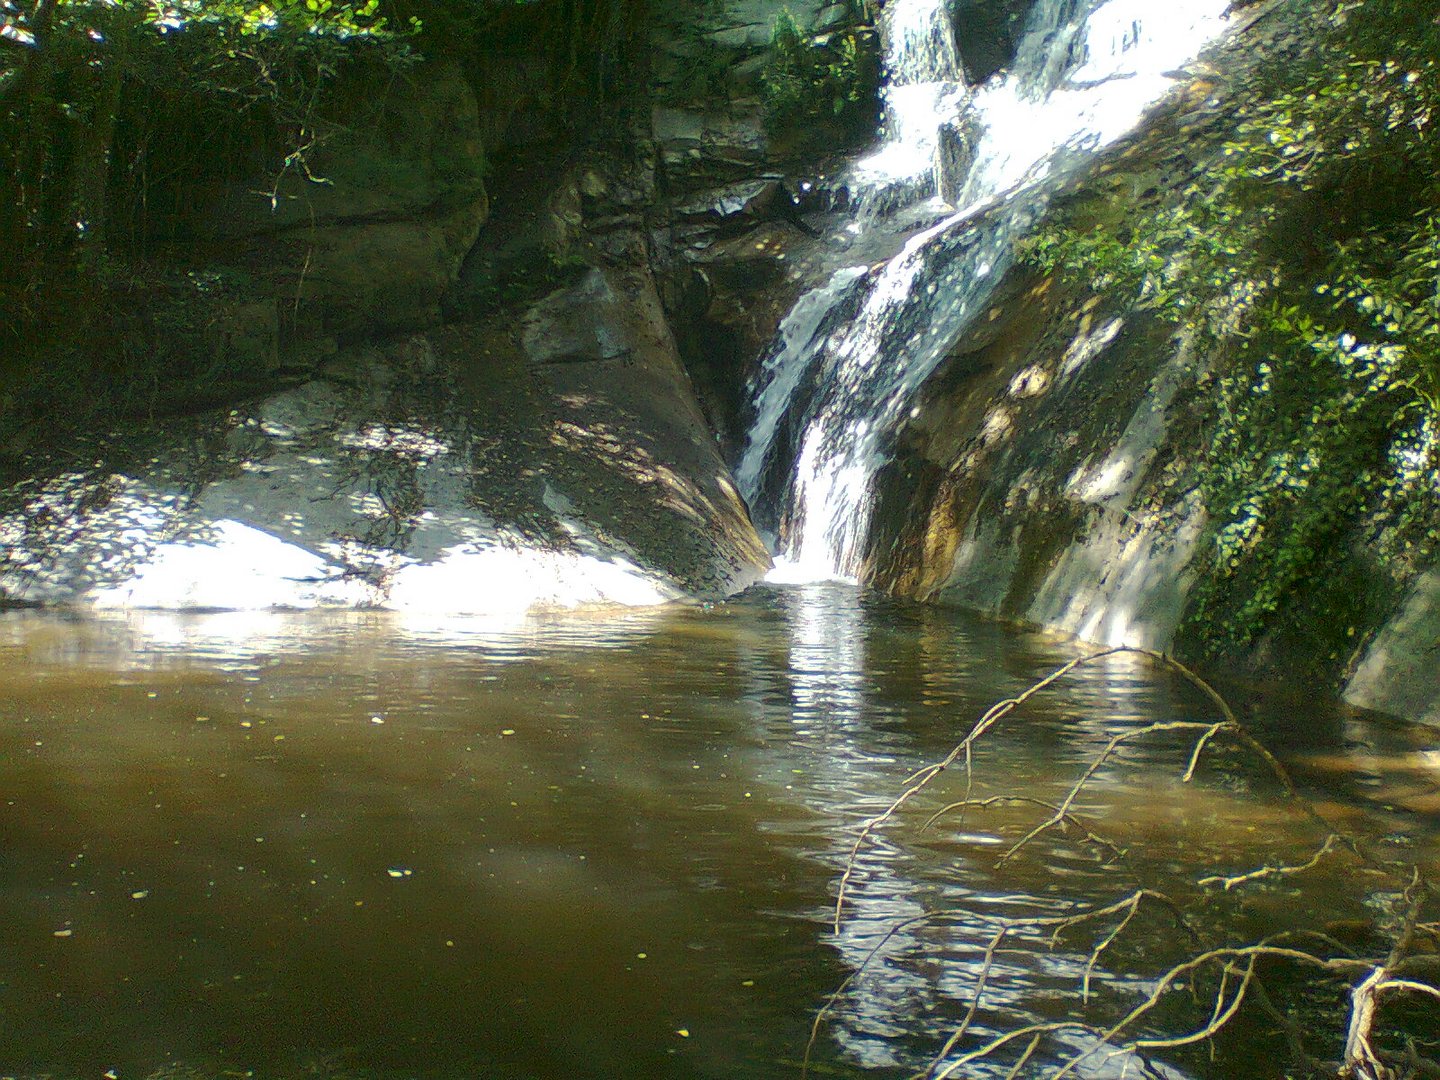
point(920, 780)
point(999, 800)
point(1409, 970)
point(1228, 883)
point(1094, 767)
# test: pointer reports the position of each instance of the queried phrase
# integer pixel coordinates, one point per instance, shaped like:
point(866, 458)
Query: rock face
point(708, 92)
point(450, 472)
point(728, 232)
point(1036, 462)
point(1052, 473)
point(1046, 479)
point(477, 414)
point(1400, 672)
point(269, 258)
point(365, 235)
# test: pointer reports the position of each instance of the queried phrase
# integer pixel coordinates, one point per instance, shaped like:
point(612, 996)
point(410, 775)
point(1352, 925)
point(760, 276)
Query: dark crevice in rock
point(987, 33)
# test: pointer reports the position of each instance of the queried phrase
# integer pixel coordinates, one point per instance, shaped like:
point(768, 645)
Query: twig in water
point(1409, 970)
point(920, 780)
point(1228, 883)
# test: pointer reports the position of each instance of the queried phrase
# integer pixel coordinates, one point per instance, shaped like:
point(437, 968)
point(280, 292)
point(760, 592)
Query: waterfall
point(923, 95)
point(839, 381)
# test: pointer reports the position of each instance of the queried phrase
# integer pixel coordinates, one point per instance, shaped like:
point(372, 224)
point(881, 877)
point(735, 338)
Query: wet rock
point(586, 322)
point(1020, 523)
point(1400, 671)
point(955, 154)
point(987, 33)
point(746, 201)
point(739, 24)
point(426, 476)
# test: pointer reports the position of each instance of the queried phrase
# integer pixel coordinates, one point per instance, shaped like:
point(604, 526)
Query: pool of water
point(603, 845)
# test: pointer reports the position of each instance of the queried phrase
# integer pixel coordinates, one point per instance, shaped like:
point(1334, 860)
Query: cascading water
point(839, 381)
point(924, 92)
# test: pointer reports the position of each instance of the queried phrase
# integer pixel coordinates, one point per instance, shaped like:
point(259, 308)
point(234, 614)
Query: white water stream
point(840, 379)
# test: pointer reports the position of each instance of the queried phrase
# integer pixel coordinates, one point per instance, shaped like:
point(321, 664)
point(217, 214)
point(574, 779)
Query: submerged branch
point(921, 779)
point(1074, 793)
point(1228, 883)
point(1409, 971)
point(1064, 816)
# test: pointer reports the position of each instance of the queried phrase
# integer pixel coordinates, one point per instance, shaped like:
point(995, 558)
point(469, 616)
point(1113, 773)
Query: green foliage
point(588, 48)
point(1390, 281)
point(1306, 248)
point(226, 61)
point(1309, 434)
point(829, 80)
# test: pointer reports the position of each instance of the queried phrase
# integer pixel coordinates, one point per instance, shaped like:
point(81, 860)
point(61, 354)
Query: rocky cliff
point(1089, 460)
point(442, 411)
point(460, 355)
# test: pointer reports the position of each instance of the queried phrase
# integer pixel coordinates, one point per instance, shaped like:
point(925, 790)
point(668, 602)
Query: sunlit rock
point(429, 476)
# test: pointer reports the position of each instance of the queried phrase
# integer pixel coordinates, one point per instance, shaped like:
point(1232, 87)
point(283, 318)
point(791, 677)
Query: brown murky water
point(590, 845)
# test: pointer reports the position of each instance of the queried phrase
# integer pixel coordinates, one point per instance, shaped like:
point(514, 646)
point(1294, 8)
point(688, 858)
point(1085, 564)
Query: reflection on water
point(598, 845)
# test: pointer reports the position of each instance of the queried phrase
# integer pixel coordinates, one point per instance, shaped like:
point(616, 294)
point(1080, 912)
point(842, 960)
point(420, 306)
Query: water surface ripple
point(599, 845)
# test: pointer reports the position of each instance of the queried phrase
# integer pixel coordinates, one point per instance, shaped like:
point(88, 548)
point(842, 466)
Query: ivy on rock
point(1303, 253)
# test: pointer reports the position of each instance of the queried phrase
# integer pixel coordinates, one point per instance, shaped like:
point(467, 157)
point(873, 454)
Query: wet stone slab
point(430, 474)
